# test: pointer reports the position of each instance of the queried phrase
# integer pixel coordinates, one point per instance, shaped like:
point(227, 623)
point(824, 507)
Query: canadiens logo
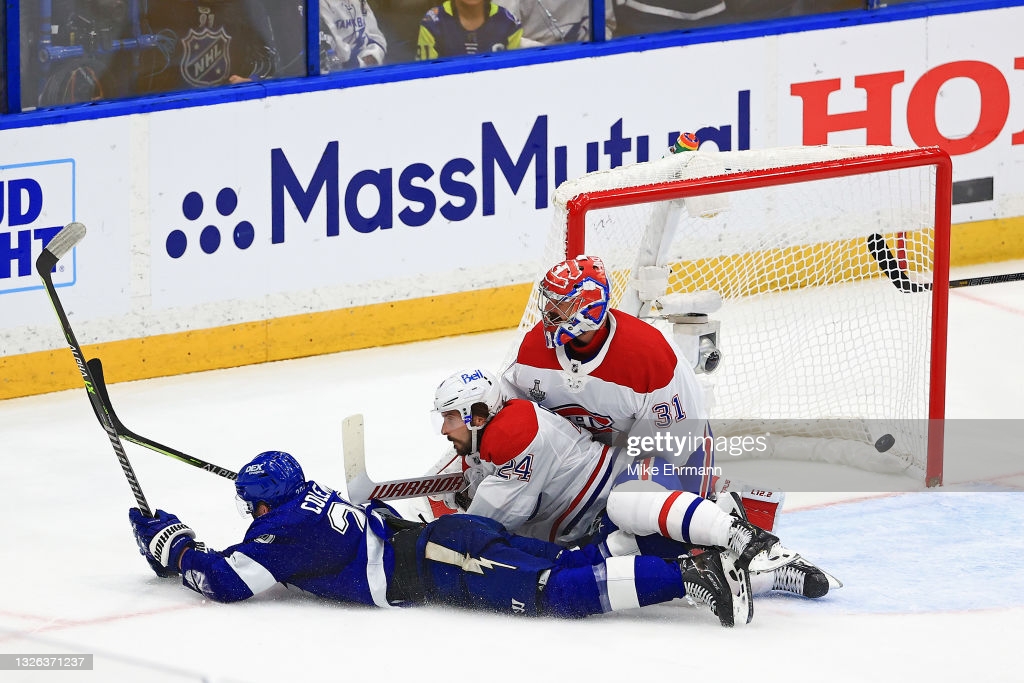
point(583, 418)
point(206, 60)
point(536, 394)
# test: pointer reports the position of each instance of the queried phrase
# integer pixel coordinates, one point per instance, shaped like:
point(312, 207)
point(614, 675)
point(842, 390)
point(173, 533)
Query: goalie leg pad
point(759, 506)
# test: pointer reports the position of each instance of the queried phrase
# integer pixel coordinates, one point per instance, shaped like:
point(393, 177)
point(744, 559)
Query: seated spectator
point(554, 22)
point(754, 10)
point(349, 35)
point(213, 42)
point(467, 27)
point(78, 51)
point(288, 20)
point(655, 16)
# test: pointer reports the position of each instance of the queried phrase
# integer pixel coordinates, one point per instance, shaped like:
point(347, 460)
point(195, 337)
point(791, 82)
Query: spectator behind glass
point(753, 10)
point(80, 50)
point(215, 42)
point(288, 20)
point(653, 16)
point(553, 22)
point(467, 27)
point(349, 36)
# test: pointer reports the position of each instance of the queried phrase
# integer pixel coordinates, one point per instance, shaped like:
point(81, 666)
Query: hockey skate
point(756, 549)
point(799, 577)
point(709, 584)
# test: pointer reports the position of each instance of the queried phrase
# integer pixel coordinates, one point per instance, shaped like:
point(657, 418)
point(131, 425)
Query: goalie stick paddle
point(63, 242)
point(96, 368)
point(890, 265)
point(361, 488)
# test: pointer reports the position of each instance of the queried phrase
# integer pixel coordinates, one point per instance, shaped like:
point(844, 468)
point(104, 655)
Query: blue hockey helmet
point(272, 477)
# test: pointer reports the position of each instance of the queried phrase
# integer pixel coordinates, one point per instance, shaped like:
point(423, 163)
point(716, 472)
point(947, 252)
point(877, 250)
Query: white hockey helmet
point(461, 392)
point(466, 388)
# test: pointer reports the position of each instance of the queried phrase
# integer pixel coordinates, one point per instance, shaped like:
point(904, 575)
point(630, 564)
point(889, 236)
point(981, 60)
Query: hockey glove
point(161, 539)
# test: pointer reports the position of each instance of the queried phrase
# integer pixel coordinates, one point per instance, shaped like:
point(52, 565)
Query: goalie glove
point(162, 539)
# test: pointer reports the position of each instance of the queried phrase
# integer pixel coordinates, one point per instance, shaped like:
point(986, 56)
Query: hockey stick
point(890, 265)
point(361, 488)
point(96, 368)
point(986, 280)
point(63, 242)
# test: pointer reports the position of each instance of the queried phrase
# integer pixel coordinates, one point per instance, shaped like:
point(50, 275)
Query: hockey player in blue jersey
point(305, 535)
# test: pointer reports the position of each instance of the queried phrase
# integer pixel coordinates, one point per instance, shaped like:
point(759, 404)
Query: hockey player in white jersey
point(612, 374)
point(544, 477)
point(623, 380)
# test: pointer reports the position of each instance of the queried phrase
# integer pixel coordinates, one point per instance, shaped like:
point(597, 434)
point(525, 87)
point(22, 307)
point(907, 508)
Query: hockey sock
point(679, 515)
point(620, 583)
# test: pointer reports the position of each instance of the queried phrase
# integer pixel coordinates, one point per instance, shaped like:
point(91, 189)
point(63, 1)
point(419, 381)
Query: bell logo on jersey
point(594, 423)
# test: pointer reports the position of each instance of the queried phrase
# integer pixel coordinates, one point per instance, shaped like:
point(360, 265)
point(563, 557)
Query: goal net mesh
point(816, 342)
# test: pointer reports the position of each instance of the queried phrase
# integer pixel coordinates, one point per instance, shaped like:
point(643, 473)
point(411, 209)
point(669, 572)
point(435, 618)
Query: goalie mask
point(272, 477)
point(573, 299)
point(461, 392)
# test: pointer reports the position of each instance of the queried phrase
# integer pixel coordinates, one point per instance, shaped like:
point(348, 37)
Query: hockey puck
point(884, 443)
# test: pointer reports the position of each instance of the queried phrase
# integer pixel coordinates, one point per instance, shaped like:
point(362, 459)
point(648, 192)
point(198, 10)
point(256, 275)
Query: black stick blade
point(890, 265)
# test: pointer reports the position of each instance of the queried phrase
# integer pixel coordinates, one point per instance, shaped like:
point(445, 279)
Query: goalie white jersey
point(637, 385)
point(550, 479)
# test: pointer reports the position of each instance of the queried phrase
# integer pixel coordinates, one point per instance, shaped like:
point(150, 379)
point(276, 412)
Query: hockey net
point(831, 334)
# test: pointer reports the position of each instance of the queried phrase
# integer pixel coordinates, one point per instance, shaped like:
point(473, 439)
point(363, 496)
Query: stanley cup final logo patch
point(536, 394)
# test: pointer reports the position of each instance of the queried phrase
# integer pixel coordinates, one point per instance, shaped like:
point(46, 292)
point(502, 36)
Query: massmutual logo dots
point(210, 235)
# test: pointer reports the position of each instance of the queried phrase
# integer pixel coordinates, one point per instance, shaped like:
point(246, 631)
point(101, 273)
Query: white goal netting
point(817, 342)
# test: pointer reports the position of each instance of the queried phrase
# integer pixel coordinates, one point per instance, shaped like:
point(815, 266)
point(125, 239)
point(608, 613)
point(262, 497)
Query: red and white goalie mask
point(573, 299)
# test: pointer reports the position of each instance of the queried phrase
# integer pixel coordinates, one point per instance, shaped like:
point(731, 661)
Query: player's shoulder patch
point(639, 356)
point(534, 351)
point(510, 432)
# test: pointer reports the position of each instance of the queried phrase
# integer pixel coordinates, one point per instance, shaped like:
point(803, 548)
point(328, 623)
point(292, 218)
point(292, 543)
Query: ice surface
point(934, 581)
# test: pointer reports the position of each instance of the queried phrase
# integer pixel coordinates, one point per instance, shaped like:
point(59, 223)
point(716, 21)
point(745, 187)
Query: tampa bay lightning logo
point(206, 60)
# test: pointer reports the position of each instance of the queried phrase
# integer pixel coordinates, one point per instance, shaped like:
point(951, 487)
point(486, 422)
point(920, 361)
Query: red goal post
point(789, 233)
